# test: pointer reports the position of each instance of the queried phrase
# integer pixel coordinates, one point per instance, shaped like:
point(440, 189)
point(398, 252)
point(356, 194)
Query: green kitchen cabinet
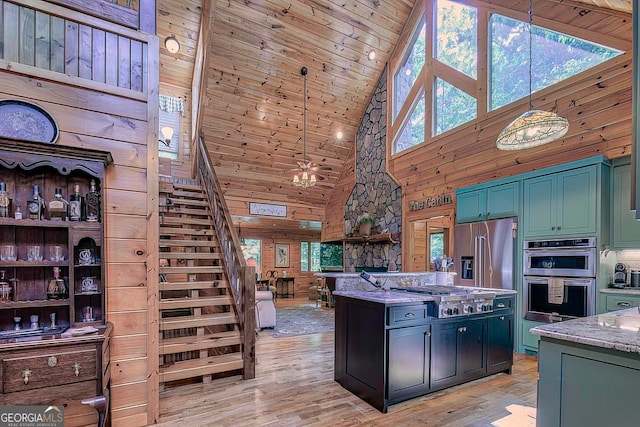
point(472, 206)
point(618, 301)
point(498, 201)
point(529, 340)
point(626, 229)
point(562, 204)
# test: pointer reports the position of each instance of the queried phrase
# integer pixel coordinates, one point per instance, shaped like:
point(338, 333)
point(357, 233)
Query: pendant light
point(304, 177)
point(534, 127)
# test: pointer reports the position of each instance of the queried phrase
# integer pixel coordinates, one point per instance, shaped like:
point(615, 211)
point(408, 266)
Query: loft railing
point(242, 278)
point(93, 41)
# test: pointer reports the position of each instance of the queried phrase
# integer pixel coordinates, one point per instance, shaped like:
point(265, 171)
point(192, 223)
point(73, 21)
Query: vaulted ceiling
point(253, 101)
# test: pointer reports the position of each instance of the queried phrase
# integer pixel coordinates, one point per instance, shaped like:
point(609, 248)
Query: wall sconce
point(172, 44)
point(167, 133)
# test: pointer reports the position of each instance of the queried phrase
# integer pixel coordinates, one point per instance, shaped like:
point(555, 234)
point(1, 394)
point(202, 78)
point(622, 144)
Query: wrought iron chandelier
point(304, 176)
point(534, 127)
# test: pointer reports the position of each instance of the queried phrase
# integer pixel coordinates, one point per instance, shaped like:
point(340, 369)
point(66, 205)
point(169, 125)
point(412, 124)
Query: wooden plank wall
point(123, 122)
point(302, 279)
point(57, 39)
point(333, 224)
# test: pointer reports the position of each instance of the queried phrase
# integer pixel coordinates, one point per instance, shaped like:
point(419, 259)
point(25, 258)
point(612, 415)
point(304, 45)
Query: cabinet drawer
point(407, 314)
point(620, 302)
point(502, 304)
point(51, 369)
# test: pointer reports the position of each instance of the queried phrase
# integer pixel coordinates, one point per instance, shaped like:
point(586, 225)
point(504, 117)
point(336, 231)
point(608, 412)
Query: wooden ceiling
point(253, 104)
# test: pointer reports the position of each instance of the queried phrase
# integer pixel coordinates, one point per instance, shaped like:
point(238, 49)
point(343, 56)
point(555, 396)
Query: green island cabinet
point(493, 202)
point(626, 229)
point(563, 204)
point(583, 385)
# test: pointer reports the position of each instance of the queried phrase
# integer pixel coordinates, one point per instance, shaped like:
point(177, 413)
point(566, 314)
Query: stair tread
point(191, 255)
point(190, 187)
point(194, 269)
point(183, 193)
point(164, 242)
point(185, 231)
point(177, 210)
point(200, 342)
point(172, 303)
point(212, 319)
point(190, 202)
point(185, 220)
point(202, 366)
point(195, 285)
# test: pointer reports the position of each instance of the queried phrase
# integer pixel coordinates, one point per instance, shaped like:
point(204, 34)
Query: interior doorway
point(428, 239)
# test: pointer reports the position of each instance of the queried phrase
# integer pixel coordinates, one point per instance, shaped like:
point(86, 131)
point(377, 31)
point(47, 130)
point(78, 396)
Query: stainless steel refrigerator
point(483, 253)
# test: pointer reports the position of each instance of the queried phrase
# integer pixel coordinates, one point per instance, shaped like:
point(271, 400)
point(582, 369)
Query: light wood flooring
point(294, 386)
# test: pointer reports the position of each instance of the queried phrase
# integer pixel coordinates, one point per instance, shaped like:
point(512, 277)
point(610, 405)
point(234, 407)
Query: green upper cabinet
point(498, 201)
point(626, 229)
point(562, 204)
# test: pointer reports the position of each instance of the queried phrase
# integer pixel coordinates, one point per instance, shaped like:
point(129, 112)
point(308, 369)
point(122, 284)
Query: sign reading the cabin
point(430, 202)
point(267, 209)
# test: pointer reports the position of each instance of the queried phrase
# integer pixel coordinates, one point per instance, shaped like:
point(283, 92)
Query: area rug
point(303, 320)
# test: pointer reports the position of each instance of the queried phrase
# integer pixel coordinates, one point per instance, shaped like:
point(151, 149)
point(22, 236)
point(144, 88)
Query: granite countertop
point(389, 297)
point(626, 291)
point(385, 297)
point(382, 273)
point(618, 330)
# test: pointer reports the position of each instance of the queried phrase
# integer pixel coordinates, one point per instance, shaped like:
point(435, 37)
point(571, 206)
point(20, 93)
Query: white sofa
point(265, 310)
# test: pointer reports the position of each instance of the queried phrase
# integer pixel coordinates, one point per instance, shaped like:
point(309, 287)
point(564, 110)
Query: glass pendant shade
point(531, 129)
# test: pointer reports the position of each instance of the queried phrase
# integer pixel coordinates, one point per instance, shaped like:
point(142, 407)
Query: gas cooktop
point(455, 301)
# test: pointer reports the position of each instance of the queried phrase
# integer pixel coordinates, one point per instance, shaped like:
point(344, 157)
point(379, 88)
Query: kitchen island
point(391, 346)
point(590, 370)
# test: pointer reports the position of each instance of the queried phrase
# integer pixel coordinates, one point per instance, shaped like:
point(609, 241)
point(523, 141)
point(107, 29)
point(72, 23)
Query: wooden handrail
point(242, 278)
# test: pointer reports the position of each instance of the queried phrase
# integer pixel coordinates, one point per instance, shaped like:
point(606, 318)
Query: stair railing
point(242, 278)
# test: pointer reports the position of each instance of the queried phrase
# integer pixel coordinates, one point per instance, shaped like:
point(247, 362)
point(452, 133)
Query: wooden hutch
point(54, 342)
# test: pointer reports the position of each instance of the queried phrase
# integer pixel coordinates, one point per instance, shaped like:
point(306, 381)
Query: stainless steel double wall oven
point(559, 279)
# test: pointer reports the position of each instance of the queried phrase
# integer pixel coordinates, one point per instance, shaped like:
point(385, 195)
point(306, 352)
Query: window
point(436, 84)
point(412, 132)
point(309, 256)
point(251, 249)
point(171, 110)
point(456, 39)
point(555, 57)
point(436, 246)
point(407, 73)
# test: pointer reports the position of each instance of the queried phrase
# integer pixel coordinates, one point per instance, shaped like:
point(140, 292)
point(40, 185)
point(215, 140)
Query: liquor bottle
point(58, 207)
point(76, 205)
point(92, 200)
point(35, 206)
point(56, 289)
point(5, 201)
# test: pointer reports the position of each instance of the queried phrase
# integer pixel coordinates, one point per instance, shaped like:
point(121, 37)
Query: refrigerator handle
point(481, 261)
point(476, 260)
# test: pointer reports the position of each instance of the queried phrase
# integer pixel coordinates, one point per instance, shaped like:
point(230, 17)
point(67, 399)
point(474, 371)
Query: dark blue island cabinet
point(388, 352)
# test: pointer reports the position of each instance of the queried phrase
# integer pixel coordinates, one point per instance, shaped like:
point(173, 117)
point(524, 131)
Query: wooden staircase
point(200, 336)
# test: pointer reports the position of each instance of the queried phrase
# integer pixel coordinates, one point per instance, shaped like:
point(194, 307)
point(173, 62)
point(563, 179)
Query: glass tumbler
point(56, 253)
point(34, 253)
point(7, 253)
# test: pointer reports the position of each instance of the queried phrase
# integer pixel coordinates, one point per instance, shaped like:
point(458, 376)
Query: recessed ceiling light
point(172, 44)
point(339, 135)
point(371, 55)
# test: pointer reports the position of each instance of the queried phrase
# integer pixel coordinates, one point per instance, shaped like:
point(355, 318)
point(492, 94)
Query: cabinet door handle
point(462, 329)
point(558, 227)
point(501, 318)
point(553, 228)
point(410, 315)
point(25, 375)
point(428, 334)
point(76, 369)
point(488, 213)
point(480, 215)
point(624, 304)
point(500, 305)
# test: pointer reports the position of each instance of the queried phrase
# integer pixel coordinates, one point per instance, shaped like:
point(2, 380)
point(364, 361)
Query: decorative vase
point(365, 228)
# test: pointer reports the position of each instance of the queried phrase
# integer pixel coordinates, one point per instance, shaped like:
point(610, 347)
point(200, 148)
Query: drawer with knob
point(33, 370)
